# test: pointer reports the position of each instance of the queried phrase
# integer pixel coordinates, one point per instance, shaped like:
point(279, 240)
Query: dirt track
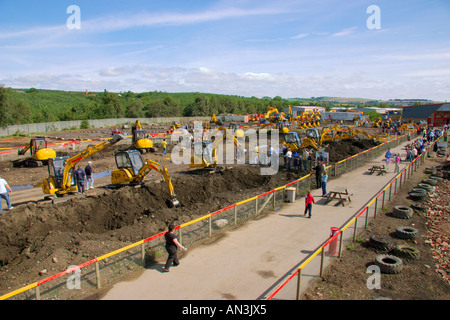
point(39, 236)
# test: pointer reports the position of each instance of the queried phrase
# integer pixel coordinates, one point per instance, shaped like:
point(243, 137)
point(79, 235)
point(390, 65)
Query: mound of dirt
point(345, 148)
point(82, 228)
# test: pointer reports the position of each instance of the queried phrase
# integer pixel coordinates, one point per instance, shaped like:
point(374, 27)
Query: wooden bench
point(380, 169)
point(339, 195)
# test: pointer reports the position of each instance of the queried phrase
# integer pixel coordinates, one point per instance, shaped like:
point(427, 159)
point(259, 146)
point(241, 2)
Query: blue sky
point(287, 48)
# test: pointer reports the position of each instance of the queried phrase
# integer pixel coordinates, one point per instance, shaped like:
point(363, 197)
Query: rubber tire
point(417, 196)
point(425, 186)
point(430, 171)
point(437, 174)
point(419, 207)
point(380, 242)
point(389, 264)
point(407, 233)
point(431, 182)
point(403, 212)
point(419, 190)
point(406, 252)
point(438, 179)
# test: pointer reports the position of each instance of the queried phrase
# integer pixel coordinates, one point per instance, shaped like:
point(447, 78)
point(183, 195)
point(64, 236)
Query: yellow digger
point(131, 169)
point(39, 153)
point(205, 153)
point(140, 140)
point(61, 180)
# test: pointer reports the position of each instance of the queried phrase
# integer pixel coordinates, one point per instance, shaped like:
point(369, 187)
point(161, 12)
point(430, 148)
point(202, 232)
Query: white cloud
point(300, 36)
point(345, 32)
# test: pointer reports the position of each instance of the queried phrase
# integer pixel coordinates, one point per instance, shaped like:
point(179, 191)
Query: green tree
point(22, 113)
point(6, 107)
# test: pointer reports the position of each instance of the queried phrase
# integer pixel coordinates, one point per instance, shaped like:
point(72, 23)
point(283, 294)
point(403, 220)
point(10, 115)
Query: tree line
point(23, 106)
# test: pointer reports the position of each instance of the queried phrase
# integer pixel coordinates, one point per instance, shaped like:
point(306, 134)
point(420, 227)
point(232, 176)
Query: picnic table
point(342, 196)
point(380, 169)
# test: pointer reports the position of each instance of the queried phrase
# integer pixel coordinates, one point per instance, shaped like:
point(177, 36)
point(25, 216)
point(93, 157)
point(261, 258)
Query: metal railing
point(367, 212)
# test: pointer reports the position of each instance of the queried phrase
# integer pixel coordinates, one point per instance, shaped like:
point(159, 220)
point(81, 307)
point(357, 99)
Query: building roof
point(424, 111)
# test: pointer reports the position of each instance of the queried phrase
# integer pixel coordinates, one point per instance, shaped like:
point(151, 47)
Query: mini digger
point(132, 170)
point(40, 154)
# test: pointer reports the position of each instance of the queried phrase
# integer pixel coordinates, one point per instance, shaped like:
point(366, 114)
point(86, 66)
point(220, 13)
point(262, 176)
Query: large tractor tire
point(403, 212)
point(408, 233)
point(380, 242)
point(389, 264)
point(406, 252)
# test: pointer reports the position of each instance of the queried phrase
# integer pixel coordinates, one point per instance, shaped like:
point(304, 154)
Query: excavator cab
point(131, 169)
point(55, 179)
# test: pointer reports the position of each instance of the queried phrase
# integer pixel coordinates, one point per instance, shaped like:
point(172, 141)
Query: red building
point(432, 114)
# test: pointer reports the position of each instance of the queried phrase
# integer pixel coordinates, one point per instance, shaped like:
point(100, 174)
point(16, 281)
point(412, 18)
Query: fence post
point(97, 274)
point(38, 293)
point(235, 215)
point(376, 205)
point(143, 254)
point(367, 217)
point(299, 278)
point(322, 259)
point(341, 241)
point(256, 206)
point(210, 226)
point(354, 231)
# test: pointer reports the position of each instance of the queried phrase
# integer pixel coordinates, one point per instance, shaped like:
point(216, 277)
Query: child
point(309, 200)
point(397, 163)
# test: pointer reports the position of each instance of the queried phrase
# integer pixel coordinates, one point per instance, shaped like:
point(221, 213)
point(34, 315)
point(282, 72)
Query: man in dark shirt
point(319, 171)
point(172, 245)
point(79, 178)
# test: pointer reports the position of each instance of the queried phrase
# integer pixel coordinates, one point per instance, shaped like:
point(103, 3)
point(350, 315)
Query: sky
point(287, 48)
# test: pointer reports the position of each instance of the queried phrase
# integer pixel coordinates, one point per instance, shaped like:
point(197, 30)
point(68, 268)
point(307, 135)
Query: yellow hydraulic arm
point(60, 179)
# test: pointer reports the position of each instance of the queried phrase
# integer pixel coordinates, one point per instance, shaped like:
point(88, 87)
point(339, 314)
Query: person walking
point(388, 156)
point(80, 176)
point(324, 183)
point(4, 189)
point(309, 200)
point(89, 176)
point(172, 246)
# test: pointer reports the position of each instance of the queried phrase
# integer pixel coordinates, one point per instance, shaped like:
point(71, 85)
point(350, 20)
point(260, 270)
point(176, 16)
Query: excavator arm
point(64, 186)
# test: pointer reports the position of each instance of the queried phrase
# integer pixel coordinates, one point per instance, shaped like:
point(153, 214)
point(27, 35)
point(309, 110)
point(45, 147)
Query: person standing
point(172, 246)
point(309, 200)
point(397, 163)
point(4, 189)
point(305, 155)
point(319, 168)
point(89, 176)
point(324, 183)
point(80, 176)
point(289, 158)
point(164, 145)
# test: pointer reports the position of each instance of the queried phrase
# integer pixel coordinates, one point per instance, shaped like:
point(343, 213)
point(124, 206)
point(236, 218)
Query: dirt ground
point(39, 239)
point(426, 278)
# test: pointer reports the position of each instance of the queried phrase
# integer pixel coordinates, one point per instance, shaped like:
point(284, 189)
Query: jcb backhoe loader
point(131, 169)
point(60, 169)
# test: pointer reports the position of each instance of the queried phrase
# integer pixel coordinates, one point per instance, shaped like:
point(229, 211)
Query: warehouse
point(432, 114)
point(298, 110)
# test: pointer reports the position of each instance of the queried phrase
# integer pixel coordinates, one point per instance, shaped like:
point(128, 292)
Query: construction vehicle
point(140, 140)
point(215, 120)
point(60, 169)
point(132, 170)
point(234, 129)
point(205, 153)
point(39, 153)
point(314, 138)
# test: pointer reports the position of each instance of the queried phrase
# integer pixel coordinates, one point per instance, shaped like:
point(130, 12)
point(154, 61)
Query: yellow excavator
point(39, 153)
point(314, 138)
point(205, 154)
point(140, 140)
point(61, 180)
point(131, 169)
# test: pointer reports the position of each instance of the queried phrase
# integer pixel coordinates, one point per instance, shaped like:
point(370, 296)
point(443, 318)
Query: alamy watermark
point(224, 146)
point(74, 20)
point(374, 21)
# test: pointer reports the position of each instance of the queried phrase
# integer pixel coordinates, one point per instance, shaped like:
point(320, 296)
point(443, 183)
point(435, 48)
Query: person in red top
point(309, 200)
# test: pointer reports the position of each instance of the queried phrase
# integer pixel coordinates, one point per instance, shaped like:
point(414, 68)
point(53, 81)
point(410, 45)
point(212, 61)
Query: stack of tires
point(391, 262)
